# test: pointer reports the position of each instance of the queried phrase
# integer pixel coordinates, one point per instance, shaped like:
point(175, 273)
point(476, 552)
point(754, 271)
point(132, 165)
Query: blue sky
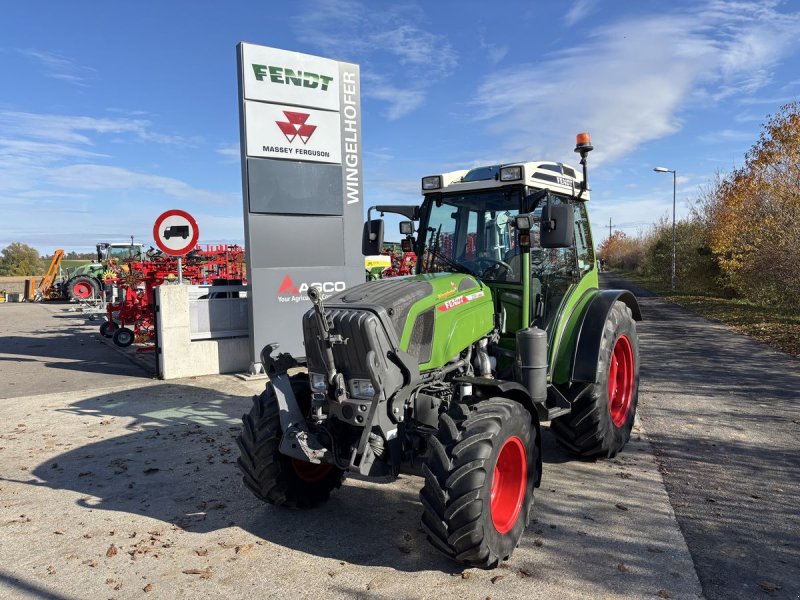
point(111, 113)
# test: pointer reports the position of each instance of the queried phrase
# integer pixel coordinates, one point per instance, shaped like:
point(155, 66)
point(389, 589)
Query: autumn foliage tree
point(622, 252)
point(753, 216)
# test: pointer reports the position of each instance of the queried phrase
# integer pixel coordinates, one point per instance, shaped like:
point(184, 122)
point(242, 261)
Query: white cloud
point(230, 152)
point(59, 67)
point(726, 136)
point(401, 100)
point(101, 177)
point(351, 30)
point(629, 81)
point(494, 52)
point(578, 12)
point(71, 129)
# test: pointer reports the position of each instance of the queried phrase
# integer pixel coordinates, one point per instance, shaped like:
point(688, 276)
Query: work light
point(362, 388)
point(319, 383)
point(432, 182)
point(510, 173)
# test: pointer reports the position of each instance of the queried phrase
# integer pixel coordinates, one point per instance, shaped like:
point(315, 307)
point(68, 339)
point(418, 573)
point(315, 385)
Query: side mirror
point(372, 240)
point(557, 226)
point(406, 227)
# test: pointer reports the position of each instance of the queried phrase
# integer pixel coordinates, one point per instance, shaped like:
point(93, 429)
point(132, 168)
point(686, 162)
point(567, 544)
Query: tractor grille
point(363, 331)
point(421, 344)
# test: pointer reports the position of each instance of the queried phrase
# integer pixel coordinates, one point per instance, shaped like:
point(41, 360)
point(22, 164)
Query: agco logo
point(295, 126)
point(289, 291)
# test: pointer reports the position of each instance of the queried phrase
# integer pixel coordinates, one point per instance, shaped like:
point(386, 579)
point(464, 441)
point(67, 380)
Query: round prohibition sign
point(176, 232)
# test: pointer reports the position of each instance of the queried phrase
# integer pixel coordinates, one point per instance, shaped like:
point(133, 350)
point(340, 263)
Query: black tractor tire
point(274, 477)
point(495, 446)
point(123, 337)
point(107, 329)
point(603, 412)
point(83, 287)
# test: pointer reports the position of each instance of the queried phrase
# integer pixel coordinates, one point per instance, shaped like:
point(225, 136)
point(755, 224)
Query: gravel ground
point(132, 491)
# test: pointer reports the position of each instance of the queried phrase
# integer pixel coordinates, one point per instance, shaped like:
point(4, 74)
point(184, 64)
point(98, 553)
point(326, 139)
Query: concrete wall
point(179, 356)
point(16, 285)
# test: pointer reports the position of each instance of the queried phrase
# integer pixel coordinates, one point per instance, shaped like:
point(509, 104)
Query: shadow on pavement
point(168, 452)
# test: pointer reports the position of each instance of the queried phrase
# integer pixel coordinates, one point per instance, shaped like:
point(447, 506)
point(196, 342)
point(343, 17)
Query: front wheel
point(479, 480)
point(270, 475)
point(602, 413)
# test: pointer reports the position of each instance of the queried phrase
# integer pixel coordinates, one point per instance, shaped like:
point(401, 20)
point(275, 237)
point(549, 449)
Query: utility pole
point(674, 179)
point(609, 228)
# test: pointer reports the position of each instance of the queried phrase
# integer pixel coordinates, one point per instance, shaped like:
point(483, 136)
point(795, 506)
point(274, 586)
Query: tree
point(754, 233)
point(622, 252)
point(19, 259)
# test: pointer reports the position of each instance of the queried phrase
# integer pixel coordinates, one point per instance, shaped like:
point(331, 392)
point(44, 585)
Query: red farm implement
point(131, 318)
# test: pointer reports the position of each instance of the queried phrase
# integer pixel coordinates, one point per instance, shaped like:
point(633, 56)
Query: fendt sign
point(300, 121)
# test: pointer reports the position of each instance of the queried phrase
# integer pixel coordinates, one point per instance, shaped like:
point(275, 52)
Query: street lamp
point(666, 170)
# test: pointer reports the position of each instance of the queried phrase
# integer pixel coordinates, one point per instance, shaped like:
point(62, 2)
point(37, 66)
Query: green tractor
point(86, 282)
point(452, 370)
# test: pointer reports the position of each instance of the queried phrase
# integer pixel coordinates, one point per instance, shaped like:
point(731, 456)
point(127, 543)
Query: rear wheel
point(270, 475)
point(83, 287)
point(602, 413)
point(479, 480)
point(123, 337)
point(107, 329)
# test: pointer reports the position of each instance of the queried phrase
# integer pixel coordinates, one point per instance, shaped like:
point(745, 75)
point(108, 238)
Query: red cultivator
point(131, 318)
point(403, 263)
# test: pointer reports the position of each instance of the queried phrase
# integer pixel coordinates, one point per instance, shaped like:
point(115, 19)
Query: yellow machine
point(45, 289)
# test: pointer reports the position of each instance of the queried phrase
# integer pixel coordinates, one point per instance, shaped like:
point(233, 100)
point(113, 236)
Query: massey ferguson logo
point(295, 126)
point(289, 291)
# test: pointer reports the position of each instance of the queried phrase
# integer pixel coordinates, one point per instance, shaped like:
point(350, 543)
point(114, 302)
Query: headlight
point(510, 173)
point(432, 182)
point(319, 383)
point(362, 388)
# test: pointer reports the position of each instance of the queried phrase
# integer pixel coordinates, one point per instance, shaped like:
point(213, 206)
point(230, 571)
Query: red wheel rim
point(508, 485)
point(309, 472)
point(620, 381)
point(82, 290)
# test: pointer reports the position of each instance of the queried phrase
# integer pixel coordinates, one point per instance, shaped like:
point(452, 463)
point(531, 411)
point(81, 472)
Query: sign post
point(176, 233)
point(300, 127)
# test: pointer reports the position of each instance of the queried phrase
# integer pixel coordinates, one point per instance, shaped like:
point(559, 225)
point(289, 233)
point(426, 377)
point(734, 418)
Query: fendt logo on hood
point(289, 291)
point(295, 126)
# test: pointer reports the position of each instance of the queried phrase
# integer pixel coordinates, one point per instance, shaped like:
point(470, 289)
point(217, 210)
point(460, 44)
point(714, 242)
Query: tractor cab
point(119, 252)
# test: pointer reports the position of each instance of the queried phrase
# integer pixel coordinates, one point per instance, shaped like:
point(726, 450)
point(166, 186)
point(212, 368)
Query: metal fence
point(217, 312)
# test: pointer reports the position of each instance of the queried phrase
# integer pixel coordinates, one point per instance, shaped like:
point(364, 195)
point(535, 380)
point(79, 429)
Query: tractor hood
point(433, 317)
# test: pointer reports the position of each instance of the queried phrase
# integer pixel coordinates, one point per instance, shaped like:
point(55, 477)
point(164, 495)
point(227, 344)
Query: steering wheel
point(491, 268)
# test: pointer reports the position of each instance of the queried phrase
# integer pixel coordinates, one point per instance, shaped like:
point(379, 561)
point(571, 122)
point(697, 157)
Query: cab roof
point(555, 176)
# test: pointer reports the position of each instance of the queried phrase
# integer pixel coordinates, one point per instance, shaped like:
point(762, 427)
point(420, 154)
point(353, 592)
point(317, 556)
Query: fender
point(590, 334)
point(483, 389)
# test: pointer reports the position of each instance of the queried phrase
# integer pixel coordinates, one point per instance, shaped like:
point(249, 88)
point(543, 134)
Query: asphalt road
point(723, 413)
point(44, 348)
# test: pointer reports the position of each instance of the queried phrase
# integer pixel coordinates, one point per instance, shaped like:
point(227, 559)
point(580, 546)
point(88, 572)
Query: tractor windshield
point(122, 253)
point(474, 233)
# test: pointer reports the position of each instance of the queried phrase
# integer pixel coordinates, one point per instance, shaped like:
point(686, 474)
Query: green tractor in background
point(86, 282)
point(453, 369)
